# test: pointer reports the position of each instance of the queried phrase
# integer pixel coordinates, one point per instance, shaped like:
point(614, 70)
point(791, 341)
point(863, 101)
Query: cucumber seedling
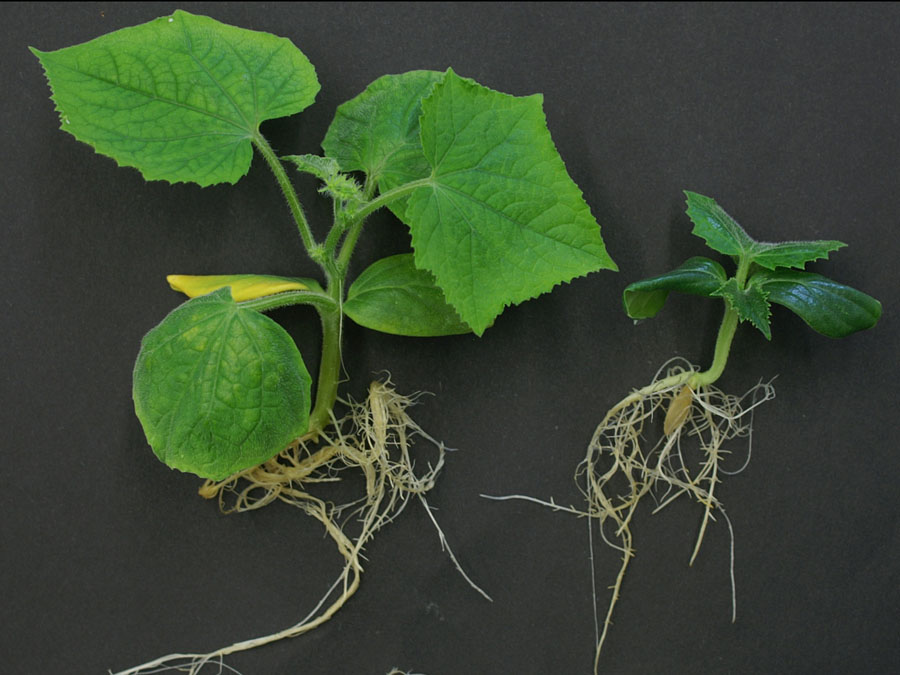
point(220, 389)
point(667, 439)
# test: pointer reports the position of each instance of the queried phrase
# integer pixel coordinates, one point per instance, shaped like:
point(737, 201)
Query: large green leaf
point(180, 97)
point(219, 388)
point(499, 220)
point(393, 296)
point(828, 307)
point(697, 276)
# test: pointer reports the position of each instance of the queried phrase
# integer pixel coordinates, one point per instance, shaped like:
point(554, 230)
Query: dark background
point(788, 115)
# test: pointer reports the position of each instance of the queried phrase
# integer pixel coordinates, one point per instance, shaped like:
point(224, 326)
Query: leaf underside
point(180, 97)
point(219, 388)
point(393, 296)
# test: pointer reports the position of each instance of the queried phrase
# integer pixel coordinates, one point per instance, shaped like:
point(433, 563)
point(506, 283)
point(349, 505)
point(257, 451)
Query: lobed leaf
point(750, 304)
point(500, 220)
point(833, 309)
point(393, 296)
point(697, 276)
point(179, 98)
point(721, 232)
point(219, 388)
point(243, 286)
point(792, 253)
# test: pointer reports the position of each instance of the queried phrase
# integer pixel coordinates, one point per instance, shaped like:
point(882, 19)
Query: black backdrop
point(788, 115)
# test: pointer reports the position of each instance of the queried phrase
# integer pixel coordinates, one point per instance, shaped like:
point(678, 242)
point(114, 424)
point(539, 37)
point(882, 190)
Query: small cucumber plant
point(221, 389)
point(629, 457)
point(621, 467)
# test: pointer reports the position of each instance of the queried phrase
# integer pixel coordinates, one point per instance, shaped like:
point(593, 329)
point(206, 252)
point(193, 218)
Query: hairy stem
point(289, 193)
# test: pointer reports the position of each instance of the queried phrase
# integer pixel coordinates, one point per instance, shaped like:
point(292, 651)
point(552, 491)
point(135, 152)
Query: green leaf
point(499, 220)
point(750, 304)
point(826, 306)
point(243, 286)
point(791, 253)
point(393, 296)
point(377, 132)
point(720, 231)
point(326, 169)
point(179, 98)
point(697, 276)
point(219, 388)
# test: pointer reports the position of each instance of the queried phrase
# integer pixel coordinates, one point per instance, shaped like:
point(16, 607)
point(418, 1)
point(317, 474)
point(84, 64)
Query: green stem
point(329, 364)
point(723, 347)
point(356, 223)
point(289, 194)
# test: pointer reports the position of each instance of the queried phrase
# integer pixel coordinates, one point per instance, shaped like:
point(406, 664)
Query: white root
point(375, 437)
point(620, 467)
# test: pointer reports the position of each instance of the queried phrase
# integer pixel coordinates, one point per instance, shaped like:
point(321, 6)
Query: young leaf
point(219, 388)
point(500, 220)
point(826, 306)
point(377, 132)
point(720, 231)
point(243, 286)
point(791, 253)
point(750, 304)
point(393, 296)
point(178, 98)
point(697, 276)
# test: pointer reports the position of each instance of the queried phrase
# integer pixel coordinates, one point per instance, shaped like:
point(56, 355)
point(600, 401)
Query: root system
point(621, 467)
point(374, 438)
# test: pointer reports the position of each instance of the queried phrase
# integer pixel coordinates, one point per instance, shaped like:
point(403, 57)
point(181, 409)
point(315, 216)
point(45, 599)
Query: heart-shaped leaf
point(179, 98)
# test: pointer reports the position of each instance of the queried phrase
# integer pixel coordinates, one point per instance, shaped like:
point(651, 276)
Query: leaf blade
point(180, 97)
point(792, 253)
point(394, 296)
point(696, 276)
point(751, 304)
point(219, 388)
point(720, 231)
point(501, 220)
point(828, 307)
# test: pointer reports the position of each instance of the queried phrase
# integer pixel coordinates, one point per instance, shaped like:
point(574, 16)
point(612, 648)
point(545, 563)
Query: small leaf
point(791, 253)
point(378, 131)
point(500, 220)
point(720, 231)
point(393, 296)
point(697, 276)
point(219, 388)
point(833, 309)
point(178, 98)
point(243, 286)
point(750, 304)
point(323, 168)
